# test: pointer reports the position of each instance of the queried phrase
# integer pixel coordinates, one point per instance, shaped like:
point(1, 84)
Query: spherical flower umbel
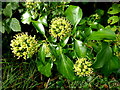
point(31, 5)
point(23, 45)
point(82, 67)
point(60, 27)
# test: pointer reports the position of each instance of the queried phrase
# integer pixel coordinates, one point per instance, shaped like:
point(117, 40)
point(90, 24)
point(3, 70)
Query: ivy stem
point(47, 83)
point(94, 79)
point(46, 38)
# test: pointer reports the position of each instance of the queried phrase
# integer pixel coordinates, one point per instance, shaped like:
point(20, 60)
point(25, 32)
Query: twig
point(47, 83)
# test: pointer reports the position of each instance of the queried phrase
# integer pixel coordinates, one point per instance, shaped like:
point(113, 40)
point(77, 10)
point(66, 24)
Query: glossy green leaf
point(88, 31)
point(26, 18)
point(74, 14)
point(82, 21)
point(39, 27)
point(103, 56)
point(14, 5)
point(2, 28)
point(93, 25)
point(7, 25)
point(1, 8)
point(100, 12)
point(8, 10)
point(80, 49)
point(58, 50)
point(77, 34)
point(43, 20)
point(114, 28)
point(105, 34)
point(15, 25)
point(53, 51)
point(64, 42)
point(65, 67)
point(99, 27)
point(52, 39)
point(41, 53)
point(112, 65)
point(115, 48)
point(113, 20)
point(44, 69)
point(114, 9)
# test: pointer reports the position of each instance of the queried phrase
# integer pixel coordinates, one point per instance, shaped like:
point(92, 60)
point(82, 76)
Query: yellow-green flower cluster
point(47, 50)
point(60, 27)
point(23, 45)
point(30, 4)
point(82, 67)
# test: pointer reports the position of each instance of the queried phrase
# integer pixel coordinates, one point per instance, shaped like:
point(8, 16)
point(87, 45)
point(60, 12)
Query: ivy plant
point(67, 37)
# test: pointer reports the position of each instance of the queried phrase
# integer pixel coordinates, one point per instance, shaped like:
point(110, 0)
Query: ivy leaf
point(1, 9)
point(14, 5)
point(8, 10)
point(88, 31)
point(15, 25)
point(100, 12)
point(6, 24)
point(41, 53)
point(53, 51)
point(26, 18)
point(113, 20)
point(74, 14)
point(105, 34)
point(80, 49)
point(114, 9)
point(103, 56)
point(64, 42)
point(2, 28)
point(44, 69)
point(65, 67)
point(112, 65)
point(82, 21)
point(39, 27)
point(43, 20)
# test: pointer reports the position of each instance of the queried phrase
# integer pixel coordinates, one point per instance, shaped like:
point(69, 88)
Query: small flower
point(82, 67)
point(60, 27)
point(47, 49)
point(23, 45)
point(30, 4)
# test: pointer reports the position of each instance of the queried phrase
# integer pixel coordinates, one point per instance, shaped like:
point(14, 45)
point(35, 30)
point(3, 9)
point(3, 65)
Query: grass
point(24, 75)
point(19, 75)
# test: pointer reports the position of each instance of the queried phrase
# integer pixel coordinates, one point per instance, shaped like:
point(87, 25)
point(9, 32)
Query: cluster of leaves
point(10, 23)
point(89, 37)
